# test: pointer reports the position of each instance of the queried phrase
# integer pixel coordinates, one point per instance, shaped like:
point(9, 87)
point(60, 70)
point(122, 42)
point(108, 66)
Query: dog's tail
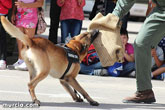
point(15, 32)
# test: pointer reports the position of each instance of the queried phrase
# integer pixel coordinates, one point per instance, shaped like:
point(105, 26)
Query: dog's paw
point(79, 100)
point(94, 103)
point(37, 102)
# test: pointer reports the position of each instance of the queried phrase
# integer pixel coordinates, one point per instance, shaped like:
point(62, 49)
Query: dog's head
point(81, 43)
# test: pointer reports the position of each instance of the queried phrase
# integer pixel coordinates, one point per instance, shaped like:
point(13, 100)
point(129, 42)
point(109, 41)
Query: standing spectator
point(54, 21)
point(71, 17)
point(25, 19)
point(5, 5)
point(149, 36)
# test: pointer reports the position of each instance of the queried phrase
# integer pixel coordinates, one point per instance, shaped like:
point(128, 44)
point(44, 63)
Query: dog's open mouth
point(95, 33)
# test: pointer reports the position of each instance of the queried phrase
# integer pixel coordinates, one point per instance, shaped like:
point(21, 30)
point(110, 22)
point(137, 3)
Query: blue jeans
point(89, 69)
point(70, 27)
point(128, 67)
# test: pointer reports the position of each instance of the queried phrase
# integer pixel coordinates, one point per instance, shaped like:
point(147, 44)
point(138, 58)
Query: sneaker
point(132, 74)
point(2, 64)
point(22, 67)
point(100, 72)
point(146, 96)
point(12, 67)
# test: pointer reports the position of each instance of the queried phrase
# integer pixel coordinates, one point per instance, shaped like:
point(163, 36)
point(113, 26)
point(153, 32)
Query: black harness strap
point(72, 58)
point(69, 65)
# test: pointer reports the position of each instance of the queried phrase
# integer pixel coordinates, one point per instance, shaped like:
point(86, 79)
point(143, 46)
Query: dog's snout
point(94, 34)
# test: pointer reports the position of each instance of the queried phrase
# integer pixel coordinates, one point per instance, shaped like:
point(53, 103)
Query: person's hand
point(20, 4)
point(79, 2)
point(13, 19)
point(62, 1)
point(153, 52)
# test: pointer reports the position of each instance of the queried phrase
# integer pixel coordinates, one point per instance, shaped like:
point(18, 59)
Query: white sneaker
point(17, 63)
point(2, 64)
point(22, 67)
point(132, 74)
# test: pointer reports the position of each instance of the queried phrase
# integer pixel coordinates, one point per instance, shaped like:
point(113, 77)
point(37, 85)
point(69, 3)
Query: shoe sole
point(10, 67)
point(147, 101)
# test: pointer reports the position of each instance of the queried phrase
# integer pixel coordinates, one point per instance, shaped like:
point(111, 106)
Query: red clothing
point(70, 9)
point(5, 5)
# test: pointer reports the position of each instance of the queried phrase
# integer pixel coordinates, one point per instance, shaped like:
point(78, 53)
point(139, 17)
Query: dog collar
point(72, 58)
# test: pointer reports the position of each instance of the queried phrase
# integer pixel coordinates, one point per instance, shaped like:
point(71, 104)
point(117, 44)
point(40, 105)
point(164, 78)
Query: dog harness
point(72, 58)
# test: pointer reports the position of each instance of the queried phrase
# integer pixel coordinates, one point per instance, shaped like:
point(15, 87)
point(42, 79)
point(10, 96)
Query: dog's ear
point(83, 48)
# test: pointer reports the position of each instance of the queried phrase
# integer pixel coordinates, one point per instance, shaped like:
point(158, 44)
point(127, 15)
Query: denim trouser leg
point(88, 69)
point(150, 34)
point(64, 30)
point(127, 68)
point(76, 26)
point(71, 26)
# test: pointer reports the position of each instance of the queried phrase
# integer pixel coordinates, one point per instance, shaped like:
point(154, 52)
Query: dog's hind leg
point(73, 82)
point(31, 69)
point(33, 83)
point(42, 71)
point(70, 91)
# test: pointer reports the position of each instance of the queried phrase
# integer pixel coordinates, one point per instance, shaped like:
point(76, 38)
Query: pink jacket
point(70, 9)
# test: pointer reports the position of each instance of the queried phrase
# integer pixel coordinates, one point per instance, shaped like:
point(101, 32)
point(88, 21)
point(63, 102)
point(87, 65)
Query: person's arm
point(151, 5)
point(81, 3)
point(13, 13)
point(158, 71)
point(60, 3)
point(122, 7)
point(38, 3)
point(156, 58)
point(129, 58)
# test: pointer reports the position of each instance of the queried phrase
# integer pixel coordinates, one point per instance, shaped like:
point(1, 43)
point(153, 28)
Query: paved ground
point(108, 91)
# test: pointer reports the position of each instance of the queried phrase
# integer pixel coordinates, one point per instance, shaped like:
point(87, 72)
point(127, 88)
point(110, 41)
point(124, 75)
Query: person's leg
point(76, 26)
point(149, 35)
point(2, 43)
point(89, 69)
point(30, 32)
point(19, 43)
point(124, 21)
point(64, 30)
point(2, 48)
point(54, 21)
point(127, 69)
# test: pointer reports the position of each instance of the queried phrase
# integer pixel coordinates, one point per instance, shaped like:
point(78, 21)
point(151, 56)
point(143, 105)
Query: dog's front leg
point(70, 91)
point(73, 82)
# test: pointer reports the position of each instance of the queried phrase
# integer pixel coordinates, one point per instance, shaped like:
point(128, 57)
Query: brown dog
point(43, 57)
